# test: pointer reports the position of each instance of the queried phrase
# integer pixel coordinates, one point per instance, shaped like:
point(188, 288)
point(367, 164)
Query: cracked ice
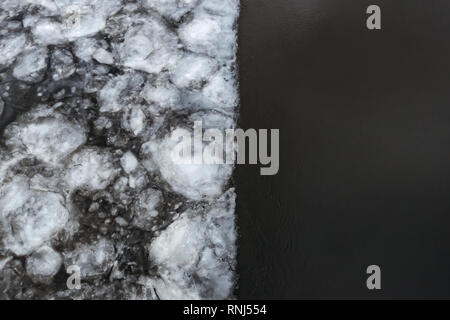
point(90, 94)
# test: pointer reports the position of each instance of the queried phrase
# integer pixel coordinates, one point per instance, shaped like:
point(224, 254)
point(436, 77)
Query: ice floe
point(92, 93)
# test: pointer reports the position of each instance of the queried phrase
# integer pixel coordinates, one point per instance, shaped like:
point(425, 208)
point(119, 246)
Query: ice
point(129, 162)
point(48, 32)
point(225, 8)
point(193, 71)
point(118, 91)
point(29, 218)
point(77, 18)
point(163, 96)
point(10, 47)
point(91, 169)
point(134, 120)
point(149, 46)
point(221, 91)
point(209, 34)
point(50, 139)
point(43, 264)
point(145, 209)
point(88, 172)
point(200, 245)
point(84, 48)
point(171, 9)
point(31, 67)
point(62, 64)
point(103, 56)
point(93, 259)
point(194, 181)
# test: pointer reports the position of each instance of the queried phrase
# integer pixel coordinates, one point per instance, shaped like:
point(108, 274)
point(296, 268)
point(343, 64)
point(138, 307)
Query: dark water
point(364, 118)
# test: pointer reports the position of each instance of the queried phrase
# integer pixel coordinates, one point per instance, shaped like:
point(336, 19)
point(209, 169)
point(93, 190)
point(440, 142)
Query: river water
point(364, 118)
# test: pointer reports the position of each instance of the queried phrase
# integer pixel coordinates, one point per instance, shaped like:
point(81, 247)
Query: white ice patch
point(92, 259)
point(50, 139)
point(194, 181)
point(103, 56)
point(43, 264)
point(84, 48)
point(10, 47)
point(129, 162)
point(171, 9)
point(118, 91)
point(198, 244)
point(32, 65)
point(77, 18)
point(193, 71)
point(91, 169)
point(209, 34)
point(134, 120)
point(221, 91)
point(29, 218)
point(163, 96)
point(149, 46)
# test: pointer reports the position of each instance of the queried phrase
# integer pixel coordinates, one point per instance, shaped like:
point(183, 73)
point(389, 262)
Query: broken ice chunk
point(119, 91)
point(48, 32)
point(76, 18)
point(92, 259)
point(164, 96)
point(129, 162)
point(193, 71)
point(103, 56)
point(50, 139)
point(43, 264)
point(145, 209)
point(180, 245)
point(194, 181)
point(171, 9)
point(29, 218)
point(32, 66)
point(203, 245)
point(149, 46)
point(91, 169)
point(213, 35)
point(10, 47)
point(221, 91)
point(224, 8)
point(134, 120)
point(62, 64)
point(84, 48)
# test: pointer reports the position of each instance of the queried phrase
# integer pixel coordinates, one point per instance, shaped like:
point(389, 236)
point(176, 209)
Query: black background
point(364, 118)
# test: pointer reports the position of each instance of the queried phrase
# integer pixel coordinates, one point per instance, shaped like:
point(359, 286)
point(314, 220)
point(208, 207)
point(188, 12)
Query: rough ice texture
point(91, 93)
